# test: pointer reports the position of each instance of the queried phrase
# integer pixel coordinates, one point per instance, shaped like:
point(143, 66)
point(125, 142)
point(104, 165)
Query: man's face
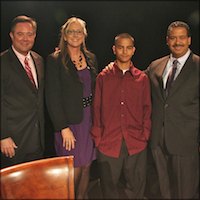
point(23, 37)
point(124, 50)
point(178, 41)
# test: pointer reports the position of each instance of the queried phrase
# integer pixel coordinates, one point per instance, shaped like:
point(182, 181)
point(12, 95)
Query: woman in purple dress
point(70, 78)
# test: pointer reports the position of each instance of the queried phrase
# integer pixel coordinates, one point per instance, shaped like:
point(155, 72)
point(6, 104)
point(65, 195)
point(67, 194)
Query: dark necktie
point(28, 71)
point(170, 78)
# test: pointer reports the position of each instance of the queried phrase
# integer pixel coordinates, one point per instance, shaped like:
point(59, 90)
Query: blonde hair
point(62, 43)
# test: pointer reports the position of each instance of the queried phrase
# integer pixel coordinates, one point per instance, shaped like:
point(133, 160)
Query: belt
point(87, 101)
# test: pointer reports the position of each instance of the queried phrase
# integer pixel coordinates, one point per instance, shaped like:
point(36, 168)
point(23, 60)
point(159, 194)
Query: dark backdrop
point(147, 21)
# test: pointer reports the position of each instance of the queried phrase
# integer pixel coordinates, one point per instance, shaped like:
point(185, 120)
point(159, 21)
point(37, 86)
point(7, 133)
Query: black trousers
point(178, 175)
point(132, 169)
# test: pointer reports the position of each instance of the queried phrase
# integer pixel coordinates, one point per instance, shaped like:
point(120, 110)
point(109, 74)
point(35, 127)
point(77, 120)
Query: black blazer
point(64, 91)
point(22, 104)
point(178, 114)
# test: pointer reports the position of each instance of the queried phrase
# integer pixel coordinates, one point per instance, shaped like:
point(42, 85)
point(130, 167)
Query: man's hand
point(8, 147)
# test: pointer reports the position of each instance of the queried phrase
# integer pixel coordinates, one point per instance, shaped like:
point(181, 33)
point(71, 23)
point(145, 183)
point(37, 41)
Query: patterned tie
point(170, 78)
point(28, 71)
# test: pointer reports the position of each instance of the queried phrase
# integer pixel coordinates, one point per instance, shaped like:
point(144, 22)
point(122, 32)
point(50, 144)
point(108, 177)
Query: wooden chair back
point(50, 178)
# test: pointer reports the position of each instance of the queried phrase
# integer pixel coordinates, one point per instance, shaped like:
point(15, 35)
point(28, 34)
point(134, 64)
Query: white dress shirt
point(30, 62)
point(181, 62)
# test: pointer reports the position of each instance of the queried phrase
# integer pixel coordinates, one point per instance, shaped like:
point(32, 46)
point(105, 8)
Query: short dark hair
point(21, 19)
point(178, 24)
point(124, 35)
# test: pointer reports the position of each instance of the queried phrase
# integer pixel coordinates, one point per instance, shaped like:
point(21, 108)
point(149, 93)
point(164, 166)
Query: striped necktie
point(28, 71)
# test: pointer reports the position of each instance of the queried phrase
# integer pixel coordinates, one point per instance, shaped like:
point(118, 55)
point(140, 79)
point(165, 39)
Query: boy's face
point(124, 50)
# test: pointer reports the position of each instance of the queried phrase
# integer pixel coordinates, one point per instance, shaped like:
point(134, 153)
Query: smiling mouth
point(178, 47)
point(25, 45)
point(125, 56)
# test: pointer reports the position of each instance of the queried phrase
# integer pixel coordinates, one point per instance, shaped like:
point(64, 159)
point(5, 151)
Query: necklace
point(78, 63)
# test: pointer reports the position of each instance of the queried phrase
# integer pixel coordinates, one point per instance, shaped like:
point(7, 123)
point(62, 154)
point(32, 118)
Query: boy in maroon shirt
point(121, 123)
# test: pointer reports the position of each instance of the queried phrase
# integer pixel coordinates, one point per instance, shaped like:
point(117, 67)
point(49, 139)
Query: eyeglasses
point(73, 32)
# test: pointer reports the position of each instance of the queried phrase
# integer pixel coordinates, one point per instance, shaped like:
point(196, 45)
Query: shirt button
point(122, 103)
point(166, 105)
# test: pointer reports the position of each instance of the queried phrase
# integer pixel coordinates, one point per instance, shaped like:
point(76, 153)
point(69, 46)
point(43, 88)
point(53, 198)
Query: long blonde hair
point(63, 43)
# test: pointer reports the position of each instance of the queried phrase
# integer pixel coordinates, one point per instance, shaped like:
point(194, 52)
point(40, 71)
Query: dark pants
point(152, 189)
point(131, 168)
point(178, 175)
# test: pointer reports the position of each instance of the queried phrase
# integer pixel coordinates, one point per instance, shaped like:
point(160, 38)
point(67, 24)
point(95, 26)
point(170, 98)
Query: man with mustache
point(174, 141)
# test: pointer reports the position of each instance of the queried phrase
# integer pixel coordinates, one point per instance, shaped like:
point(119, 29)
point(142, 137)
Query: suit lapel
point(182, 76)
point(159, 72)
point(20, 71)
point(38, 66)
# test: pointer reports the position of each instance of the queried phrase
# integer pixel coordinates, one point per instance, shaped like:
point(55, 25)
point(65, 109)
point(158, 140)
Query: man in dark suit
point(175, 116)
point(22, 120)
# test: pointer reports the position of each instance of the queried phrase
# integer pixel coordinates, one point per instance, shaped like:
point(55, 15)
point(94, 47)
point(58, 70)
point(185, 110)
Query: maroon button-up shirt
point(122, 110)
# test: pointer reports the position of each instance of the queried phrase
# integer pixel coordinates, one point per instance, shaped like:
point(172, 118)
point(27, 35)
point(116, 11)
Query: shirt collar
point(21, 56)
point(182, 59)
point(118, 70)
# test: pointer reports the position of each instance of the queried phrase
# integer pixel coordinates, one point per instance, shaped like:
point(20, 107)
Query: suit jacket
point(22, 115)
point(177, 115)
point(64, 91)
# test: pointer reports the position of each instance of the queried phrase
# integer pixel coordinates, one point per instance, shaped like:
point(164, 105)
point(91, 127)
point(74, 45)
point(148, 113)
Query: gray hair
point(178, 24)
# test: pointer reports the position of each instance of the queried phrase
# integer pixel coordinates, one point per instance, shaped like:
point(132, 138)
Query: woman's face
point(74, 35)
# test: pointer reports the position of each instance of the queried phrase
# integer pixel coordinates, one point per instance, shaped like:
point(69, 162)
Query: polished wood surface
point(50, 178)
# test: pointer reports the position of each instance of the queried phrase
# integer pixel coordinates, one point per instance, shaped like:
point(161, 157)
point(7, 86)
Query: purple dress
point(84, 151)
